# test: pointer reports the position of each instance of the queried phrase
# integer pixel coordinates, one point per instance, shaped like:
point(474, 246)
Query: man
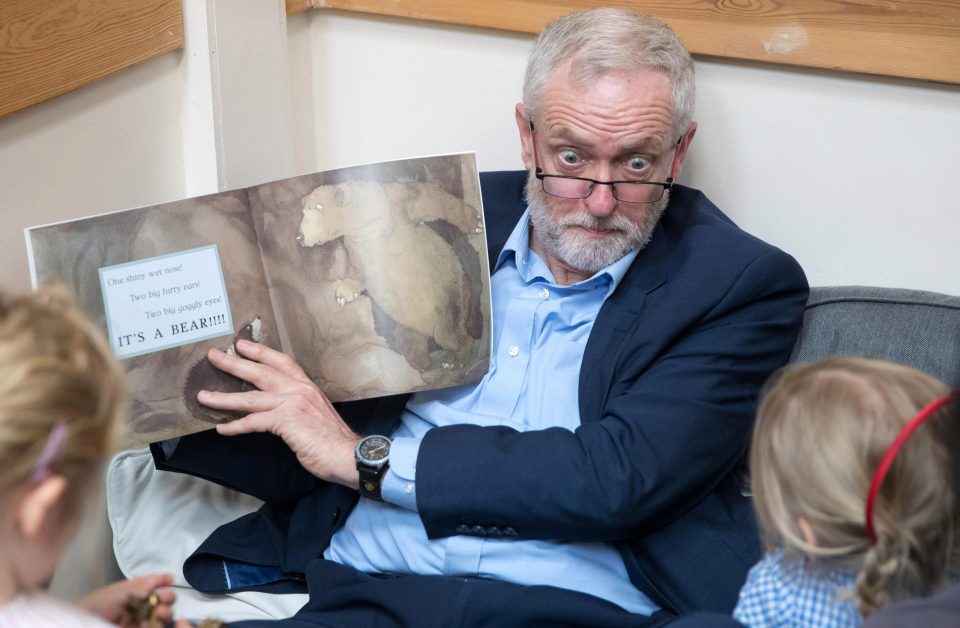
point(590, 477)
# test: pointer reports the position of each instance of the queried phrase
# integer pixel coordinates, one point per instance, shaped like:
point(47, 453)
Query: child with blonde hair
point(852, 483)
point(61, 397)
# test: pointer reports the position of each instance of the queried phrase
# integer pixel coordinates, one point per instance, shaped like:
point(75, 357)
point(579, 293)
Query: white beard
point(580, 252)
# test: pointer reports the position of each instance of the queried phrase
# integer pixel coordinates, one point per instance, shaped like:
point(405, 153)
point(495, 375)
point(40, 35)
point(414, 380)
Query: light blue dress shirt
point(540, 330)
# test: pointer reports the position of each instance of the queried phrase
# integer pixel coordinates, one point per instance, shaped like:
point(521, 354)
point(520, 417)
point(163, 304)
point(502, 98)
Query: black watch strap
point(370, 481)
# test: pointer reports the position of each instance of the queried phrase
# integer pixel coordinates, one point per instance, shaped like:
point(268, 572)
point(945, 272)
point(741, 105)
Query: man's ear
point(685, 141)
point(526, 137)
point(39, 504)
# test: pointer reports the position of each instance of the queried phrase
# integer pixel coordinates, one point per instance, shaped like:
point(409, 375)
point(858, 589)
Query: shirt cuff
point(399, 486)
point(169, 446)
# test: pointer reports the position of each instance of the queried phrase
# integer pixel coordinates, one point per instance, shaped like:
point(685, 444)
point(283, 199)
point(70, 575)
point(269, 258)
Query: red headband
point(925, 413)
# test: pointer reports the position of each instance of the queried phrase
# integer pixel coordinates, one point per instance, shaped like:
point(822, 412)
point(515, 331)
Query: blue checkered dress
point(786, 593)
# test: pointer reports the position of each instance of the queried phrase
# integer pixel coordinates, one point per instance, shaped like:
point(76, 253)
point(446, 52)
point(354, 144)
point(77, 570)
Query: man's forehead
point(635, 106)
point(636, 137)
point(638, 129)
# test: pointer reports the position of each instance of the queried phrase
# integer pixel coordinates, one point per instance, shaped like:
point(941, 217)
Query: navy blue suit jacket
point(668, 386)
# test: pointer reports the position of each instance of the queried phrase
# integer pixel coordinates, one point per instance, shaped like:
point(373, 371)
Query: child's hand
point(110, 601)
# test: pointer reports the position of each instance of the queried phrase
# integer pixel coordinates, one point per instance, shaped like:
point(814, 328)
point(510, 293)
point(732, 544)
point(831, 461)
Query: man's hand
point(110, 601)
point(289, 405)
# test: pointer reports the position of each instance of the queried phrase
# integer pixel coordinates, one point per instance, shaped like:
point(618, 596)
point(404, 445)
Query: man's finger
point(245, 402)
point(249, 371)
point(262, 422)
point(272, 358)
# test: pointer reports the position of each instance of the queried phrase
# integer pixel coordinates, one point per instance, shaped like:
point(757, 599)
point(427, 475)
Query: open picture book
point(374, 278)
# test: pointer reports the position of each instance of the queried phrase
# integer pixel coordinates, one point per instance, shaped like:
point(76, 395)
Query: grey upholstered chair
point(912, 327)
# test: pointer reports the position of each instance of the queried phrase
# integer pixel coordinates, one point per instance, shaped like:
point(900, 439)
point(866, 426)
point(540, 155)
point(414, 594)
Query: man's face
point(620, 127)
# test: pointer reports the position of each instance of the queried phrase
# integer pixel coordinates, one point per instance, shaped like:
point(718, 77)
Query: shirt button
point(513, 351)
point(544, 293)
point(409, 488)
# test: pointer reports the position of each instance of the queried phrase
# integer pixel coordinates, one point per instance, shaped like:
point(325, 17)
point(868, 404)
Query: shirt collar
point(517, 251)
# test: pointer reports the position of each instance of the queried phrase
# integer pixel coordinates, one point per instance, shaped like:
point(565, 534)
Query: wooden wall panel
point(907, 38)
point(298, 6)
point(48, 47)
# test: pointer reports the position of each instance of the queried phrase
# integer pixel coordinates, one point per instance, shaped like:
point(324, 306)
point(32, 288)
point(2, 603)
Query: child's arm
point(109, 601)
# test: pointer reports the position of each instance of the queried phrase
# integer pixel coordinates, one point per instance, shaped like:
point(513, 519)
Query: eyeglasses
point(563, 186)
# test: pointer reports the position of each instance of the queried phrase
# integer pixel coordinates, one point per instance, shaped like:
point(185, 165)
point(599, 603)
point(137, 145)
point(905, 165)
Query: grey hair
point(600, 41)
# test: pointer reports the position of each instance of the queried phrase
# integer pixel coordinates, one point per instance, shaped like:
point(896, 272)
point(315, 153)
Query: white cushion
point(158, 518)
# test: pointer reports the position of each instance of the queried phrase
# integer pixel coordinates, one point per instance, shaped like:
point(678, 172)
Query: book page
point(165, 283)
point(379, 274)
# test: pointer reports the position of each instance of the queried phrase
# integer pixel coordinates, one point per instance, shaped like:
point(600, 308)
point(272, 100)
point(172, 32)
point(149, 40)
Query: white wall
point(113, 144)
point(389, 89)
point(213, 116)
point(855, 176)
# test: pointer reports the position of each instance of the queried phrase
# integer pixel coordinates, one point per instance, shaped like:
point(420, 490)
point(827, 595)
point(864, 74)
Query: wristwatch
point(373, 458)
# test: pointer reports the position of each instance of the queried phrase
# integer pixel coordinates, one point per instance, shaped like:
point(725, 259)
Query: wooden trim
point(907, 38)
point(48, 47)
point(298, 6)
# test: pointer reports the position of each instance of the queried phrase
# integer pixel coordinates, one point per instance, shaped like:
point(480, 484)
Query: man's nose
point(601, 201)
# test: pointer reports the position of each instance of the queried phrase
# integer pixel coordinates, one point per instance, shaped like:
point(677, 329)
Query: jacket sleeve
point(261, 464)
point(674, 422)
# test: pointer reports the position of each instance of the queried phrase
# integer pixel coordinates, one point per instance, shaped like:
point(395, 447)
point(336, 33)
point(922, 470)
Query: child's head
point(61, 394)
point(821, 432)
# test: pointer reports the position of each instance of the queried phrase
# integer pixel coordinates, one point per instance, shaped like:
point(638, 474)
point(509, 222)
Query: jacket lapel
point(616, 323)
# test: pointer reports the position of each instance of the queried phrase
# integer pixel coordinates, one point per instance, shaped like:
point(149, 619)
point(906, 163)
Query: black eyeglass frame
point(539, 174)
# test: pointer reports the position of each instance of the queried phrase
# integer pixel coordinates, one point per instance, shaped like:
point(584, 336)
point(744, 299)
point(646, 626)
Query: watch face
point(374, 449)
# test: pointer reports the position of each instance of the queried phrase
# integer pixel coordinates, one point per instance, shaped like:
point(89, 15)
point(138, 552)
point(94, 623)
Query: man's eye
point(569, 157)
point(637, 163)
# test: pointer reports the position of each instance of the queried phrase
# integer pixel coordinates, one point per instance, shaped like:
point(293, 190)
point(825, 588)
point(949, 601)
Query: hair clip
point(53, 450)
point(877, 481)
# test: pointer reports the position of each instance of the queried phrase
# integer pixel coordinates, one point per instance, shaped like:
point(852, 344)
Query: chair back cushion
point(913, 327)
